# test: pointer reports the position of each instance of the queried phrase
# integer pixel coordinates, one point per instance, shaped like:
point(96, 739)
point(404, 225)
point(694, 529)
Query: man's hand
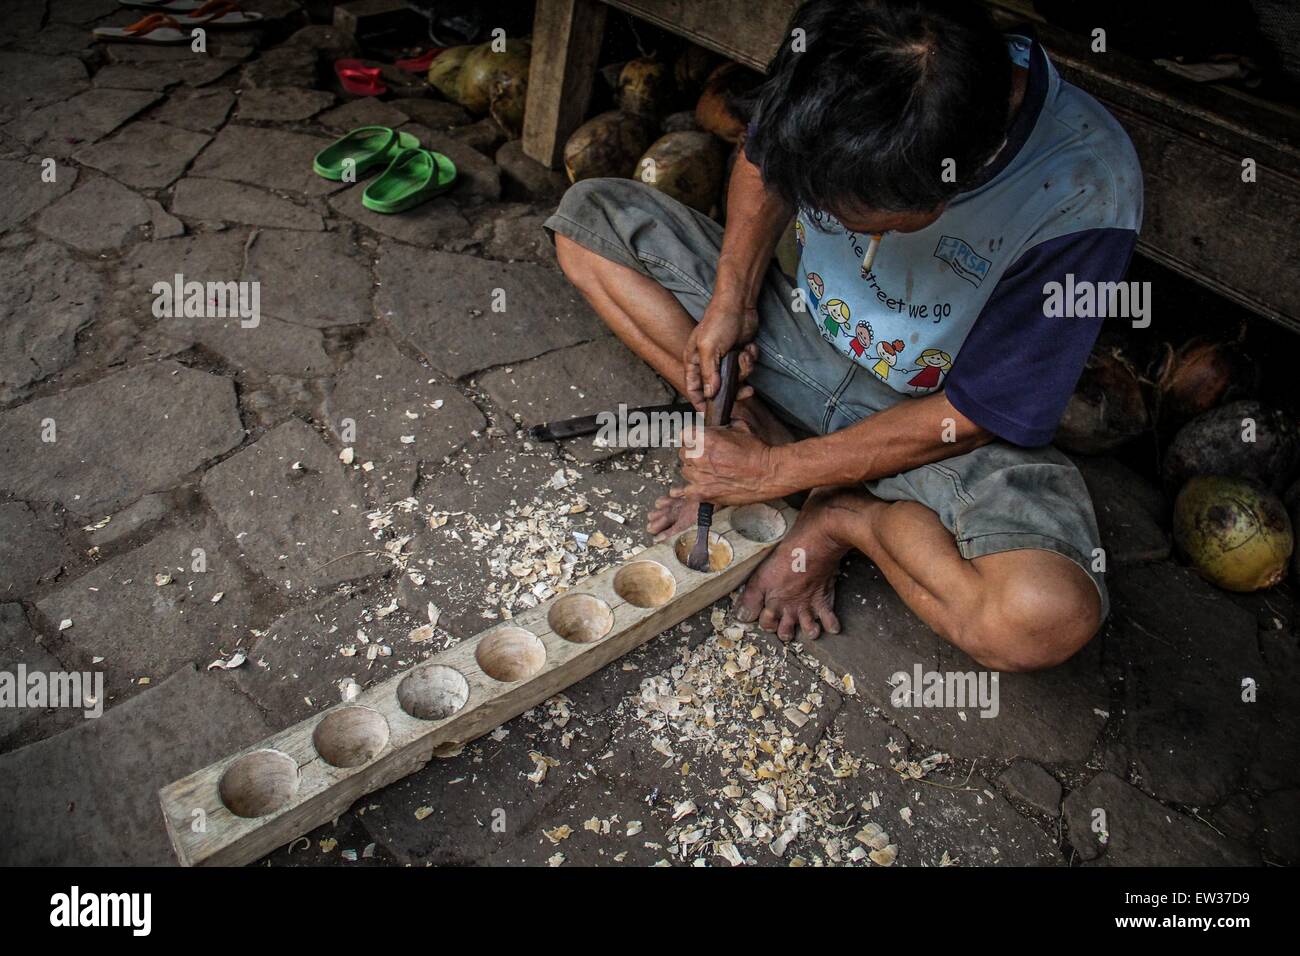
point(722, 328)
point(728, 466)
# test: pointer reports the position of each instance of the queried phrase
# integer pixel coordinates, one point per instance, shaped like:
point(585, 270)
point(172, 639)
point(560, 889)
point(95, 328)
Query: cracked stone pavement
point(198, 502)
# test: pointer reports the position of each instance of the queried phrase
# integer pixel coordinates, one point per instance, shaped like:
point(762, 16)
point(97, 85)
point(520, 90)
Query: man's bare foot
point(670, 516)
point(794, 587)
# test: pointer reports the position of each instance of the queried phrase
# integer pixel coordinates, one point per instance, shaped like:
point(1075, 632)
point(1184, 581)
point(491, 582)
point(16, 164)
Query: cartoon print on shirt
point(861, 339)
point(888, 352)
point(934, 364)
point(799, 237)
point(816, 289)
point(835, 317)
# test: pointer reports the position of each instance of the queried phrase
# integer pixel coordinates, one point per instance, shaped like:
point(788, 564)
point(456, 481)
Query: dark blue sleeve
point(1017, 368)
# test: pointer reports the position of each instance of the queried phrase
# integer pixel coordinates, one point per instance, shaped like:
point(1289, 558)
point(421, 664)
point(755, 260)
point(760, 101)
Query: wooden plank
point(350, 18)
point(246, 805)
point(566, 44)
point(741, 30)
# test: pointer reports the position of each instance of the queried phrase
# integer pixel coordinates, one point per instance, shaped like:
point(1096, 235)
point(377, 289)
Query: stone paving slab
point(217, 200)
point(99, 215)
point(579, 380)
point(269, 158)
point(1131, 512)
point(104, 774)
point(145, 155)
point(27, 193)
point(46, 297)
point(1185, 649)
point(435, 114)
point(295, 668)
point(29, 81)
point(134, 517)
point(435, 224)
point(515, 234)
point(61, 128)
point(96, 464)
point(282, 67)
point(527, 179)
point(143, 629)
point(299, 526)
point(315, 279)
point(203, 111)
point(271, 345)
point(282, 105)
point(1052, 716)
point(443, 303)
point(1140, 831)
point(1029, 783)
point(390, 400)
point(19, 646)
point(32, 549)
point(125, 76)
point(367, 111)
point(208, 257)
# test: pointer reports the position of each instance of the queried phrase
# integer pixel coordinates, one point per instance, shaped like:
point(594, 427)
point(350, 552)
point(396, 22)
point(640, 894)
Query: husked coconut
point(606, 145)
point(687, 166)
point(1242, 440)
point(1107, 407)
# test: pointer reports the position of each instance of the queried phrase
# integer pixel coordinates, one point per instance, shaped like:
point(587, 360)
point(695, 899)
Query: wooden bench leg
point(566, 43)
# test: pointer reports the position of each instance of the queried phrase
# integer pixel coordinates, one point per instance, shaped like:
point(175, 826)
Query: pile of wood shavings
point(731, 702)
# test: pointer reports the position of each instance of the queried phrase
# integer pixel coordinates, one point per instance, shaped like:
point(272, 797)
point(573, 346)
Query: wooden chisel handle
point(718, 410)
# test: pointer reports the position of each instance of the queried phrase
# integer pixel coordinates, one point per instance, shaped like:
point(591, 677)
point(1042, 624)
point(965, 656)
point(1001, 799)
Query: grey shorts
point(999, 497)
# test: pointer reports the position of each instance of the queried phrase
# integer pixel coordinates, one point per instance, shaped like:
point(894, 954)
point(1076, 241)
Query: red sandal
point(359, 79)
point(419, 64)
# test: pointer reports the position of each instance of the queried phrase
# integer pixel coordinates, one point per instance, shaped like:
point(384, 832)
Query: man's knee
point(1032, 622)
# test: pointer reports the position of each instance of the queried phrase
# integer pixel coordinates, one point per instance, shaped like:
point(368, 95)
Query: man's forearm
point(755, 220)
point(912, 433)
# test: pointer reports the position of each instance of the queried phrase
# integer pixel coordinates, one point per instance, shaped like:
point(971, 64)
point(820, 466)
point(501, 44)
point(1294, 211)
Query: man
point(987, 177)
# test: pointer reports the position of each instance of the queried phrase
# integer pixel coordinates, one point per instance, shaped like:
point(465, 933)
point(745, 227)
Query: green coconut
point(485, 67)
point(687, 166)
point(1236, 533)
point(444, 71)
point(606, 145)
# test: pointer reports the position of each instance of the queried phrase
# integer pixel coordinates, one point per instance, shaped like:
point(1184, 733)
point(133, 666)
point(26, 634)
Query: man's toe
point(808, 624)
point(749, 604)
point(789, 621)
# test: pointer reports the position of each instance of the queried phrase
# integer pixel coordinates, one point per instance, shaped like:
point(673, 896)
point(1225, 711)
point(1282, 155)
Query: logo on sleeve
point(963, 259)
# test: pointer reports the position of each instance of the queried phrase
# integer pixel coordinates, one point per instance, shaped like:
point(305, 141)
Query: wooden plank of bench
point(566, 44)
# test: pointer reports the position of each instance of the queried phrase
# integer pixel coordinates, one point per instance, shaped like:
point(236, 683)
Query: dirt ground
point(290, 499)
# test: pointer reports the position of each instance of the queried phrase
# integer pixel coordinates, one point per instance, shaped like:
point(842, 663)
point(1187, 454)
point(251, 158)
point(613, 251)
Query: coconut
point(643, 86)
point(679, 122)
point(1107, 408)
point(692, 67)
point(509, 97)
point(606, 145)
point(1241, 439)
point(1200, 375)
point(715, 111)
point(485, 67)
point(1235, 533)
point(687, 166)
point(444, 71)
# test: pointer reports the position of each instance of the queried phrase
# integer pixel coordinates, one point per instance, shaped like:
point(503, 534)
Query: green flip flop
point(414, 176)
point(366, 147)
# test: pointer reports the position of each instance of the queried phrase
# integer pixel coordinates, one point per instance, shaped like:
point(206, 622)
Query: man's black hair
point(883, 92)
